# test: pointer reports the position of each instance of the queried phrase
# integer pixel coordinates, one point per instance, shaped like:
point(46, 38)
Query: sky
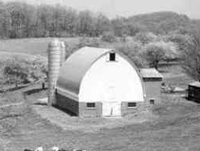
point(113, 8)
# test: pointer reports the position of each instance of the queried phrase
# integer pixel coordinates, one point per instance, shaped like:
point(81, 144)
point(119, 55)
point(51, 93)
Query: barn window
point(90, 105)
point(152, 101)
point(131, 104)
point(112, 57)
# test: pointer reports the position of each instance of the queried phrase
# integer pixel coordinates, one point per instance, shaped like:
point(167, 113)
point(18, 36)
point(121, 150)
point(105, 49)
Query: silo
point(63, 53)
point(54, 59)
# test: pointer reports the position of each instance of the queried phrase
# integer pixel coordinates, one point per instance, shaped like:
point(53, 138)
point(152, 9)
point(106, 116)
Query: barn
point(97, 82)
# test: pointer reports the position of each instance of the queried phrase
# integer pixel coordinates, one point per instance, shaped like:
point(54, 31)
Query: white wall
point(108, 81)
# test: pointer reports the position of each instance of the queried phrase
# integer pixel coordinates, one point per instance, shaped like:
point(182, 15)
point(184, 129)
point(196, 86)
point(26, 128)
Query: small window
point(112, 57)
point(90, 105)
point(152, 101)
point(131, 104)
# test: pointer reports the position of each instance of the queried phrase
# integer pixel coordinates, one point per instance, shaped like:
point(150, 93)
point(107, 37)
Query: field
point(31, 46)
point(174, 126)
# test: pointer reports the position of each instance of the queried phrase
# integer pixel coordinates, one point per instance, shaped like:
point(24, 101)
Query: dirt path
point(13, 104)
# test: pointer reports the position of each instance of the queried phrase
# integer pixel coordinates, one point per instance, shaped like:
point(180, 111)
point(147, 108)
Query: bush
point(108, 37)
point(19, 69)
point(145, 38)
point(90, 42)
point(16, 71)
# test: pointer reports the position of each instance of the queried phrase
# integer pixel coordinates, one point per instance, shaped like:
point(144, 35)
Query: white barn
point(99, 82)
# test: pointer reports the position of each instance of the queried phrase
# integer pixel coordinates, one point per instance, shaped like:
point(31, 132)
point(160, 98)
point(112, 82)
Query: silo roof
point(150, 73)
point(75, 67)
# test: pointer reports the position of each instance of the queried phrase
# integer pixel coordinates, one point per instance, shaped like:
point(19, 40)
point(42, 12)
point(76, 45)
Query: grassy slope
point(178, 128)
point(31, 46)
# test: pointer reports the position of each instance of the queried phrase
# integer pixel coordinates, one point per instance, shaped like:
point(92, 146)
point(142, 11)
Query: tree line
point(21, 20)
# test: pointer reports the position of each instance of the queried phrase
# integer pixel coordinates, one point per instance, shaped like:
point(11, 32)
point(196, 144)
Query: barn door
point(111, 109)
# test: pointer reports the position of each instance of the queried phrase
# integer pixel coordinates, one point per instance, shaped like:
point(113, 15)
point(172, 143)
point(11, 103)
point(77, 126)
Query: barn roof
point(150, 73)
point(195, 84)
point(75, 67)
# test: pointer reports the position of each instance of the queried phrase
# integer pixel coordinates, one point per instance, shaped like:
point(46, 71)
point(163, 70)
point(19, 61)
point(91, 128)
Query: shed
point(194, 91)
point(99, 82)
point(152, 81)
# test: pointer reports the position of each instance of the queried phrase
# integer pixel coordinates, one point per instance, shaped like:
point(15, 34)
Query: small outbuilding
point(194, 91)
point(97, 82)
point(152, 80)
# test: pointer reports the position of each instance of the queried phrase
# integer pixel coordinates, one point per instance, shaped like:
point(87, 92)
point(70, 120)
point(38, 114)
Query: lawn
point(177, 128)
point(30, 45)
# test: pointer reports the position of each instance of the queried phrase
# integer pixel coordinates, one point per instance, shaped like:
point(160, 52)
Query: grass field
point(175, 128)
point(31, 45)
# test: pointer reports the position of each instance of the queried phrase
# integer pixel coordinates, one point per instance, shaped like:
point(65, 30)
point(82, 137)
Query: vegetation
point(19, 70)
point(154, 54)
point(191, 57)
point(21, 20)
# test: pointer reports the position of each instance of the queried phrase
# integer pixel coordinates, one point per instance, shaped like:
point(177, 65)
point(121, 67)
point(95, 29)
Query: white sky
point(112, 8)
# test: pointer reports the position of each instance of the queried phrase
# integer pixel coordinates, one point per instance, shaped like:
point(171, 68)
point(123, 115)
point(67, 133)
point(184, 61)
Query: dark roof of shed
point(195, 84)
point(150, 73)
point(75, 67)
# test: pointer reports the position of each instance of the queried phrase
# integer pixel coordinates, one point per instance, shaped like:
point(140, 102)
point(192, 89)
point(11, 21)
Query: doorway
point(112, 109)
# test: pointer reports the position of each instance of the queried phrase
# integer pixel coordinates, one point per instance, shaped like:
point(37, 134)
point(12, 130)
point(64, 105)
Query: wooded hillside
point(21, 20)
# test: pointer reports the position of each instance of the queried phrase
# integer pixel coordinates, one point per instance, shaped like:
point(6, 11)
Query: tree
point(16, 71)
point(170, 51)
point(183, 41)
point(102, 25)
point(154, 53)
point(133, 50)
point(145, 38)
point(38, 70)
point(86, 24)
point(108, 37)
point(191, 57)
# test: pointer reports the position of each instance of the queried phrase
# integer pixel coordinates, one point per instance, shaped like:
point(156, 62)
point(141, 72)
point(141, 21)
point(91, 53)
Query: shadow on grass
point(12, 89)
point(197, 101)
point(33, 91)
point(65, 110)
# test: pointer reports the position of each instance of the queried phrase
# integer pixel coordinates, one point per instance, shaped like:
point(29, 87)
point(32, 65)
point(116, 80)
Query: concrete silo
point(54, 62)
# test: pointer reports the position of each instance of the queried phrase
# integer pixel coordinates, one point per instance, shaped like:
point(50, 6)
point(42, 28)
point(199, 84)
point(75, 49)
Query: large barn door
point(111, 109)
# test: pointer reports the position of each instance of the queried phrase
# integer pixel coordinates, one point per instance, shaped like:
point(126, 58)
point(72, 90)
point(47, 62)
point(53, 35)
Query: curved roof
point(75, 67)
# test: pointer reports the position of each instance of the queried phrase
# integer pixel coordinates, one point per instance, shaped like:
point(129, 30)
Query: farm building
point(152, 81)
point(194, 91)
point(97, 82)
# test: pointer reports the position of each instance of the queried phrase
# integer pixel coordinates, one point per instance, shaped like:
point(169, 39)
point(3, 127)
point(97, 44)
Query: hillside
point(57, 21)
point(162, 22)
